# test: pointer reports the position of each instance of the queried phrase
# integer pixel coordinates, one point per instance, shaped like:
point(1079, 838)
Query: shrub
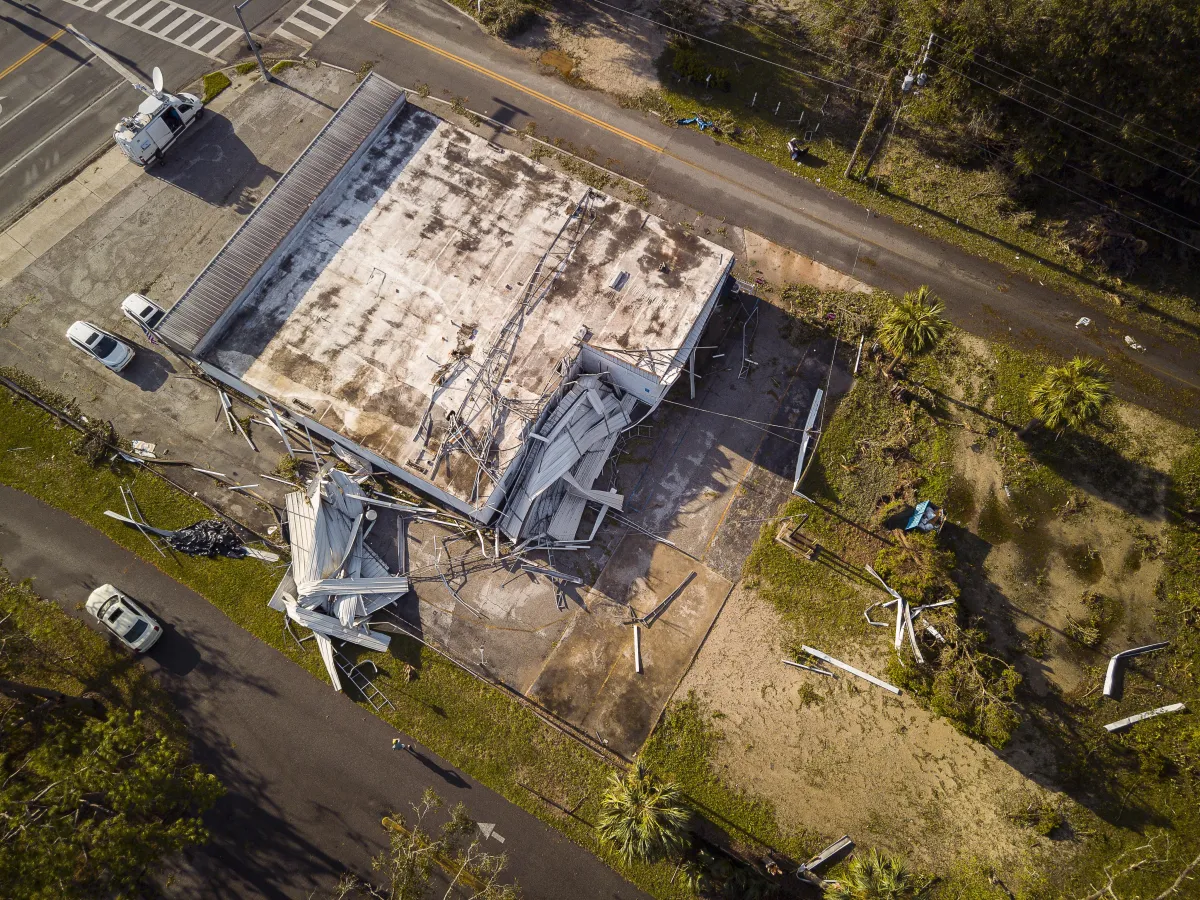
point(689, 64)
point(975, 690)
point(214, 83)
point(507, 18)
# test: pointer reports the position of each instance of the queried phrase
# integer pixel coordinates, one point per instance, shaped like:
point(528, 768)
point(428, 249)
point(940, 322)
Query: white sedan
point(142, 311)
point(133, 626)
point(107, 349)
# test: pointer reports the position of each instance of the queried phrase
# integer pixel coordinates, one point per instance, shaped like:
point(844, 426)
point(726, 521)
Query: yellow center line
point(520, 87)
point(34, 52)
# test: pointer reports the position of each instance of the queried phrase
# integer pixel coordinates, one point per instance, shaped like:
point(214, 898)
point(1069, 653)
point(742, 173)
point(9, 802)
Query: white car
point(133, 626)
point(107, 349)
point(142, 311)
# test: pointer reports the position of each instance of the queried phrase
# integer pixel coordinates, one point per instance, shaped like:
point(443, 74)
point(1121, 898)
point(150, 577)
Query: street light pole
point(237, 8)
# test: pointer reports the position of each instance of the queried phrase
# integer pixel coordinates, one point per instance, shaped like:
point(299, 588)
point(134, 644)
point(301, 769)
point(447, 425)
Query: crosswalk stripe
point(113, 13)
point(200, 42)
point(159, 16)
point(311, 10)
point(288, 36)
point(184, 15)
point(296, 20)
point(187, 34)
point(322, 16)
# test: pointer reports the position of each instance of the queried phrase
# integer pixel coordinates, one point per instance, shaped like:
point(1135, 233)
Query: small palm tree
point(874, 876)
point(641, 817)
point(912, 324)
point(1071, 395)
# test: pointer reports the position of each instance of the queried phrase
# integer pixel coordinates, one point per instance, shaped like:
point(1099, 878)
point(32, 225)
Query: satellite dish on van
point(158, 79)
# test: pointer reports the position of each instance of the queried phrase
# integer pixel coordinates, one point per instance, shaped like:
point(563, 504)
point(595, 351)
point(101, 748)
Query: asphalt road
point(309, 774)
point(58, 103)
point(430, 43)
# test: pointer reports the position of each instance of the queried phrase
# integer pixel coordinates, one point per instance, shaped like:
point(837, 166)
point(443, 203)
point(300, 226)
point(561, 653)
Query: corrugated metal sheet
point(225, 278)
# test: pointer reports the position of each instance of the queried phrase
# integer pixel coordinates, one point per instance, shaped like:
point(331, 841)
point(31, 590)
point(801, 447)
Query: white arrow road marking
point(489, 831)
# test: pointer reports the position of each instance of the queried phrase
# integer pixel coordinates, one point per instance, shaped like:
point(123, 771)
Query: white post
point(858, 359)
point(777, 105)
point(637, 649)
point(692, 372)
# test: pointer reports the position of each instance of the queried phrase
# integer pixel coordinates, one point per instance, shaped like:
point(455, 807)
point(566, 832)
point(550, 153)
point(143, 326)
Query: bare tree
point(406, 869)
point(1155, 854)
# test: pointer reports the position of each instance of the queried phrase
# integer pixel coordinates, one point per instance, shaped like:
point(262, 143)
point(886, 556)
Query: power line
point(1135, 196)
point(807, 49)
point(1071, 125)
point(1114, 125)
point(975, 56)
point(696, 37)
point(1099, 203)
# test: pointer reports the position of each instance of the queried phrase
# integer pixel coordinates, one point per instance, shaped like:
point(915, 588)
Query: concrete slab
point(590, 678)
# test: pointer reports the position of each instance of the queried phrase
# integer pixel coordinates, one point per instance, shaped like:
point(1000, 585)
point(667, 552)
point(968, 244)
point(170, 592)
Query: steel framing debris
point(1115, 676)
point(1122, 724)
point(824, 657)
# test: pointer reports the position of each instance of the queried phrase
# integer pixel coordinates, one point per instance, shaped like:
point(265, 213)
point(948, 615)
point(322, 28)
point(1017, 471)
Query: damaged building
point(478, 325)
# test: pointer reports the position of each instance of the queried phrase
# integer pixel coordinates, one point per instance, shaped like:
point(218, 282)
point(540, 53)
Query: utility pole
point(915, 78)
point(237, 8)
point(887, 81)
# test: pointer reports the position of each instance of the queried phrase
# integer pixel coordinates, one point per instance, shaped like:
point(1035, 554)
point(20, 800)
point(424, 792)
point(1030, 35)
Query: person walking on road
point(397, 744)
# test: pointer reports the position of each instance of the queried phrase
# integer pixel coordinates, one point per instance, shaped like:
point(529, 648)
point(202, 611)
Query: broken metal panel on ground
point(336, 581)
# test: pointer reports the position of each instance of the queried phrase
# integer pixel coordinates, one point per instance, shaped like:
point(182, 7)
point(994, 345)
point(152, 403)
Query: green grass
point(683, 747)
point(46, 648)
point(245, 68)
point(214, 83)
point(474, 726)
point(282, 66)
point(969, 207)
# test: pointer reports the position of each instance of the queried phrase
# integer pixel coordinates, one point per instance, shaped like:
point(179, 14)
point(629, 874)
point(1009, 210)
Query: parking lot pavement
point(117, 229)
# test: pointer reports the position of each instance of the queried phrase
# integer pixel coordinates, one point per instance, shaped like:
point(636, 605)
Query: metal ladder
point(373, 695)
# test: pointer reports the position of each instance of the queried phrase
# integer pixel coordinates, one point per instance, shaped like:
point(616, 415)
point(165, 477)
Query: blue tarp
point(918, 516)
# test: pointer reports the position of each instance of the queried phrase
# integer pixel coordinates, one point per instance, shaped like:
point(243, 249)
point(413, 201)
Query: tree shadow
point(1052, 725)
point(1094, 465)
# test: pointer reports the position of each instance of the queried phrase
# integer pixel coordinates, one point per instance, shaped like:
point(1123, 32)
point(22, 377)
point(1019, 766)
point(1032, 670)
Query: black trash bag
point(212, 537)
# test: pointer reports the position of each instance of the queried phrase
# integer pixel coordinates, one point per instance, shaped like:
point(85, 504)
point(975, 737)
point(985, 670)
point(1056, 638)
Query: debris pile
point(563, 460)
point(210, 537)
point(340, 582)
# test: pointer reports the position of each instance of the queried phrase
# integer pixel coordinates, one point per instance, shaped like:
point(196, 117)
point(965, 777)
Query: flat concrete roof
point(384, 307)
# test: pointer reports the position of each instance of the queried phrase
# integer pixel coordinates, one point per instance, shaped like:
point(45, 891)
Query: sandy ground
point(617, 54)
point(854, 759)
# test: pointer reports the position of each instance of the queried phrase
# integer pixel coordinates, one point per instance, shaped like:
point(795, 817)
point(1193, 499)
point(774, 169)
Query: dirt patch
point(557, 60)
point(617, 54)
point(779, 265)
point(839, 757)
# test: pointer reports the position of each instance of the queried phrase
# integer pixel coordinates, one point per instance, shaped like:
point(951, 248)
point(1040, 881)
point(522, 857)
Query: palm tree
point(875, 876)
point(641, 817)
point(912, 324)
point(1071, 395)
